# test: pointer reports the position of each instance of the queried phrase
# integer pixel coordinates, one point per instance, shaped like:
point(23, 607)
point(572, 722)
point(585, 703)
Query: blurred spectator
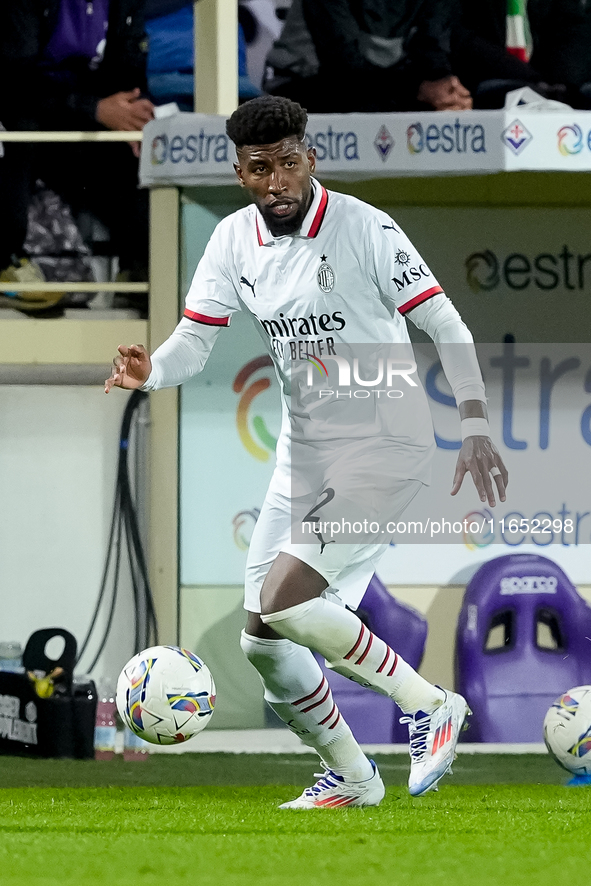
point(561, 33)
point(556, 56)
point(75, 64)
point(367, 55)
point(169, 24)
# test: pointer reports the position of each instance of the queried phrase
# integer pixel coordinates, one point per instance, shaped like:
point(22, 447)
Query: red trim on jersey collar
point(318, 215)
point(311, 224)
point(259, 238)
point(419, 299)
point(203, 318)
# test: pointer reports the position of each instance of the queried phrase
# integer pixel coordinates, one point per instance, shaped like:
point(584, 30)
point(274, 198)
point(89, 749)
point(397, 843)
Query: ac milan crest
point(325, 276)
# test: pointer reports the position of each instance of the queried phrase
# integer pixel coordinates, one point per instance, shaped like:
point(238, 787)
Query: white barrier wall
point(58, 455)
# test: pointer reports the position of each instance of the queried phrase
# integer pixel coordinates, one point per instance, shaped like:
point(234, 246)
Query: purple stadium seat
point(522, 640)
point(374, 718)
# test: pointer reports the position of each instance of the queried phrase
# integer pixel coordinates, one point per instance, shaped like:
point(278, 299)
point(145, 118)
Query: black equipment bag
point(59, 726)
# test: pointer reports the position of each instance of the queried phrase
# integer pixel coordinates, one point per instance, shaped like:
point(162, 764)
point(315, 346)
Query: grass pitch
point(213, 819)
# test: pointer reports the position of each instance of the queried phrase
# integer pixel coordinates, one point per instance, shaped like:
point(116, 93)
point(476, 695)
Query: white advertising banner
point(540, 407)
point(193, 149)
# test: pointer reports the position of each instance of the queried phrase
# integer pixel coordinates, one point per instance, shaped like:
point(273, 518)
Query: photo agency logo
point(351, 382)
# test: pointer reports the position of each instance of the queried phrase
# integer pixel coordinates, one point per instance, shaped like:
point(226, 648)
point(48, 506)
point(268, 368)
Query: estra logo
point(457, 137)
point(570, 140)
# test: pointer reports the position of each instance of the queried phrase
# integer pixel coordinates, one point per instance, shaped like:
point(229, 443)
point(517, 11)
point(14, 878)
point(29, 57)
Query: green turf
point(213, 819)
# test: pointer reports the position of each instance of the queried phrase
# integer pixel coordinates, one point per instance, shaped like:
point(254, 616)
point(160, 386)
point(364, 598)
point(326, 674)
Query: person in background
point(74, 65)
point(367, 55)
point(500, 45)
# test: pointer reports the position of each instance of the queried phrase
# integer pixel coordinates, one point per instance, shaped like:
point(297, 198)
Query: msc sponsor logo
point(411, 275)
point(457, 137)
point(197, 147)
point(333, 145)
point(518, 271)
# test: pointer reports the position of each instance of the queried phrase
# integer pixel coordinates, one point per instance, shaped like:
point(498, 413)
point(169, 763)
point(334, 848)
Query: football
point(567, 730)
point(165, 694)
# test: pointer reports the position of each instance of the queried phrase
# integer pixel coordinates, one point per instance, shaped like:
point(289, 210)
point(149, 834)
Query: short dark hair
point(266, 120)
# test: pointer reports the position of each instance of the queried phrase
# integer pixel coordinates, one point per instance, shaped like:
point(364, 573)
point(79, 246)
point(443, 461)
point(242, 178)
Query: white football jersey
point(347, 276)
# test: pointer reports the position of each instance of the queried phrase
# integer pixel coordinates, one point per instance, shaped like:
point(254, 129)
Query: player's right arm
point(178, 359)
point(210, 303)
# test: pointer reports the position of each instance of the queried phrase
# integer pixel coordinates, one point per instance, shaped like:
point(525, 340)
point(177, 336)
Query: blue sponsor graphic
point(457, 137)
point(197, 147)
point(331, 144)
point(509, 362)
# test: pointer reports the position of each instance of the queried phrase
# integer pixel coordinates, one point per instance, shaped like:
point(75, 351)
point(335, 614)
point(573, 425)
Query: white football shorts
point(347, 568)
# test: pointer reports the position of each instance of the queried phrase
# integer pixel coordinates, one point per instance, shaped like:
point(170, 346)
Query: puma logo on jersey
point(390, 228)
point(250, 285)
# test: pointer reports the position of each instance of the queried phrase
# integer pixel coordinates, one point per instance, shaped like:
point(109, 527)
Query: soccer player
point(271, 260)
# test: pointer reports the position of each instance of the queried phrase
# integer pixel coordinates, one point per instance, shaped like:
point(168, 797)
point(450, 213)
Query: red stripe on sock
point(356, 647)
point(393, 668)
point(361, 659)
point(317, 703)
point(336, 721)
point(385, 661)
point(312, 694)
point(326, 719)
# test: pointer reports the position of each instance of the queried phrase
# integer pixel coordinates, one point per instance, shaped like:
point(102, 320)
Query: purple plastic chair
point(374, 718)
point(522, 641)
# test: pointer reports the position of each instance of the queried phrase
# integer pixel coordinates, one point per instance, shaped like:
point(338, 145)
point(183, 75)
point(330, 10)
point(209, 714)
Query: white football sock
point(298, 692)
point(353, 650)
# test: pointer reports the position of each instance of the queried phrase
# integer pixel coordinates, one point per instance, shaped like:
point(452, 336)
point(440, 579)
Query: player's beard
point(279, 227)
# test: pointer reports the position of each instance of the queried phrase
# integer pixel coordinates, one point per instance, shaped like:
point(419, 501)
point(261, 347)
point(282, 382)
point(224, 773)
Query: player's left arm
point(478, 456)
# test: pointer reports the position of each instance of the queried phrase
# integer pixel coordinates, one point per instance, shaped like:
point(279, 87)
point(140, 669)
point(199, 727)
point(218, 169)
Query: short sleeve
point(212, 296)
point(400, 272)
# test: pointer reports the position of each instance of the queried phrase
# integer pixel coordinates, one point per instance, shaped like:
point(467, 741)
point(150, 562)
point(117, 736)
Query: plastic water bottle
point(134, 747)
point(105, 730)
point(11, 657)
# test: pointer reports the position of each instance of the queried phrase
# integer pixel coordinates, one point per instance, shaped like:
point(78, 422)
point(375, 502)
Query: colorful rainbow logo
point(473, 541)
point(415, 140)
point(258, 424)
point(570, 140)
point(315, 361)
point(241, 539)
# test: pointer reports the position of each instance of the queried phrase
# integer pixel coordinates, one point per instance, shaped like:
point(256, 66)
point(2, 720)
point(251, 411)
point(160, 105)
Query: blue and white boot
point(331, 791)
point(433, 739)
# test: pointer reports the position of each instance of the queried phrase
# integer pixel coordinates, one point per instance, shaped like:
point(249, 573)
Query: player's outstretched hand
point(479, 457)
point(130, 369)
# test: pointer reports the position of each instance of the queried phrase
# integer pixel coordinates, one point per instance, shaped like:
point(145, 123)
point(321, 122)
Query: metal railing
point(71, 136)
